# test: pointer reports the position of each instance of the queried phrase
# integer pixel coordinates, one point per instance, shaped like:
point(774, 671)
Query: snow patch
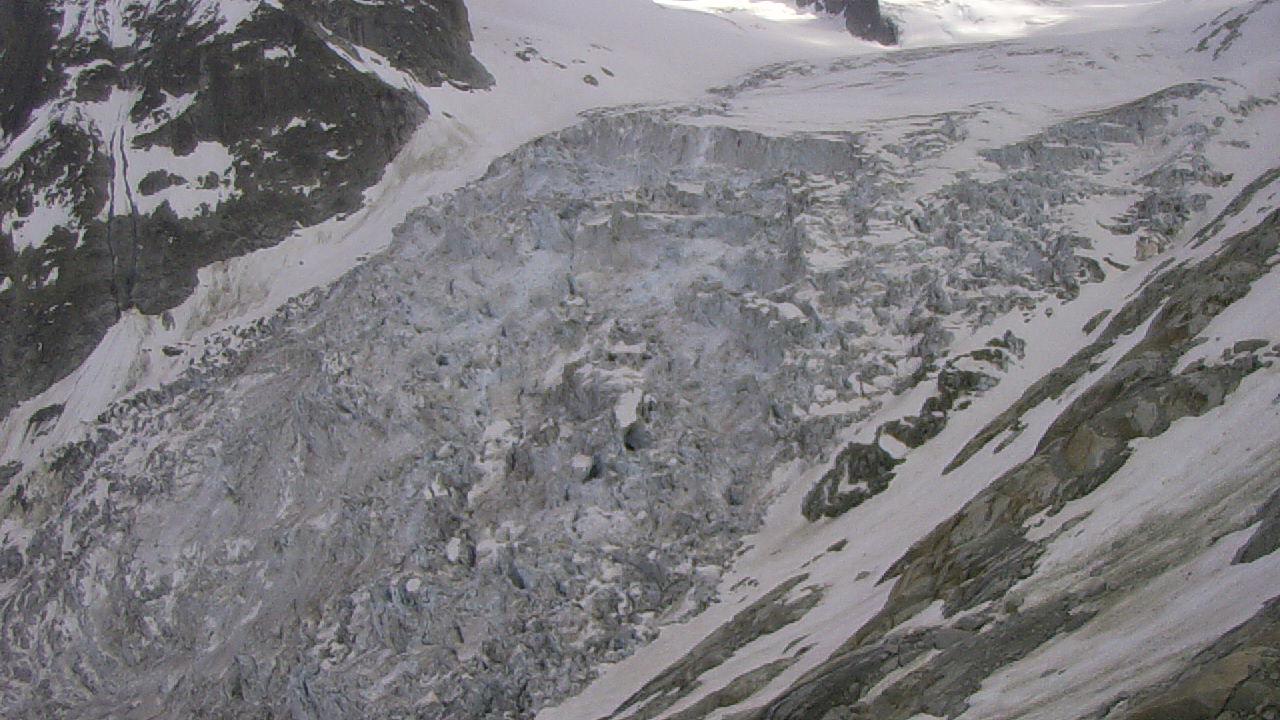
point(188, 199)
point(762, 9)
point(49, 211)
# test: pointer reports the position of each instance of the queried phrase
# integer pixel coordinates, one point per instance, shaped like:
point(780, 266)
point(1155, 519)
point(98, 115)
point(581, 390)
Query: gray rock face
point(862, 17)
point(865, 468)
point(1266, 539)
point(26, 34)
point(1237, 677)
point(143, 141)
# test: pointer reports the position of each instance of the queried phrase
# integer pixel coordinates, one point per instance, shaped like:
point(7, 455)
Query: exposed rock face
point(863, 470)
point(862, 17)
point(27, 36)
point(142, 141)
point(1237, 677)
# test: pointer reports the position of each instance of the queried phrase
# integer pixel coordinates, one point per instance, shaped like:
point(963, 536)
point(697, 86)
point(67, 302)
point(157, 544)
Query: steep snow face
point(142, 140)
point(961, 332)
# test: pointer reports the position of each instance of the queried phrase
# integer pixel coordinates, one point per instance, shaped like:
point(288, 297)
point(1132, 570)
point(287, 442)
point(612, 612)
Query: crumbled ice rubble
point(554, 404)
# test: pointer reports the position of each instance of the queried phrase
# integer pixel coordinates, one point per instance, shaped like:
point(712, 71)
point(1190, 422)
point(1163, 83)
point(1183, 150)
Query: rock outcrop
point(863, 18)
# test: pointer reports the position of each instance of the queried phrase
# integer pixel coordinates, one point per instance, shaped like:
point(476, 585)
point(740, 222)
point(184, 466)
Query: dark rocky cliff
point(862, 17)
point(241, 123)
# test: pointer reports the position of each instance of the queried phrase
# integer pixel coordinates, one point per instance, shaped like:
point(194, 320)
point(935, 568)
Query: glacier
point(769, 377)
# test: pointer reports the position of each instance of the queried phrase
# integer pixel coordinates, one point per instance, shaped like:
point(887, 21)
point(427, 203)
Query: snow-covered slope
point(928, 383)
